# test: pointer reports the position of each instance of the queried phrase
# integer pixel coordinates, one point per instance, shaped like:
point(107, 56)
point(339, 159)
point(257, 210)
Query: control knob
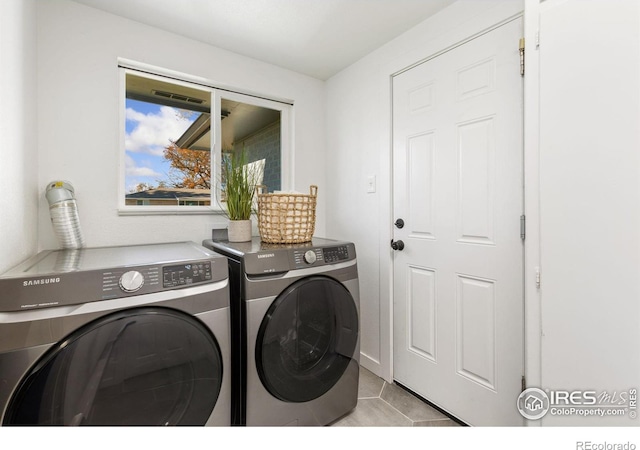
point(310, 257)
point(131, 281)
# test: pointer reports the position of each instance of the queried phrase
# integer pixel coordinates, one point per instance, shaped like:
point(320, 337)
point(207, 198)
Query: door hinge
point(524, 384)
point(523, 227)
point(521, 48)
point(538, 277)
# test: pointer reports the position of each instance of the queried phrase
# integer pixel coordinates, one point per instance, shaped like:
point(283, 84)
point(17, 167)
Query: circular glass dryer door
point(307, 339)
point(141, 366)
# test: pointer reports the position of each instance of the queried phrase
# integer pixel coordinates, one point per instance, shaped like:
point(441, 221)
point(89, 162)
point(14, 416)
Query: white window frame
point(218, 92)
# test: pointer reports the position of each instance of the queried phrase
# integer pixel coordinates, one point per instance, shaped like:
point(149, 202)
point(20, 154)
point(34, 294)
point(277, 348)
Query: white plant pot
point(239, 230)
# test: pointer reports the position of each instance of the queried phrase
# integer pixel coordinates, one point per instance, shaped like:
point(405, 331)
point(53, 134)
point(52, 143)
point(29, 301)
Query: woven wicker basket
point(286, 218)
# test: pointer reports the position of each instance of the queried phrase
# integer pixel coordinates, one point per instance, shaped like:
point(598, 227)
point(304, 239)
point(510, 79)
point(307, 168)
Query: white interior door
point(458, 288)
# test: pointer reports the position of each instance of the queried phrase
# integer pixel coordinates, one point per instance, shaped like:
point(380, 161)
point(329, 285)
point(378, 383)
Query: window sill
point(163, 211)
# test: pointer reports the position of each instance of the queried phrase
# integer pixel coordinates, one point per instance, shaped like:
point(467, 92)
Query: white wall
point(78, 117)
point(359, 145)
point(18, 162)
point(590, 199)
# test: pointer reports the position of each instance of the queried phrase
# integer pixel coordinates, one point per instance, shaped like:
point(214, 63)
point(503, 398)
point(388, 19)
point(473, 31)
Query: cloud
point(131, 169)
point(153, 131)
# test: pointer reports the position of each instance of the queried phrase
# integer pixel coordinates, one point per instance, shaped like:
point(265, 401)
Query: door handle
point(397, 245)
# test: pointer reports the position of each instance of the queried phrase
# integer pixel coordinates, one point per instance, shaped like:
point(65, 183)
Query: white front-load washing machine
point(295, 323)
point(134, 335)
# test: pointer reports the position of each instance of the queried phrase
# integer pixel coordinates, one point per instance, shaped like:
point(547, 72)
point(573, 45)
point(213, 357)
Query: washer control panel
point(141, 279)
point(183, 274)
point(154, 278)
point(77, 276)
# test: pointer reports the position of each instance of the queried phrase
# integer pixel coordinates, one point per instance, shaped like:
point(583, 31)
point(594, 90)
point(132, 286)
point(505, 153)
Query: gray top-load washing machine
point(135, 335)
point(295, 327)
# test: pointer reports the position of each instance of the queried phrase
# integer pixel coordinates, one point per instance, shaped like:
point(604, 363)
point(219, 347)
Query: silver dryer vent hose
point(64, 214)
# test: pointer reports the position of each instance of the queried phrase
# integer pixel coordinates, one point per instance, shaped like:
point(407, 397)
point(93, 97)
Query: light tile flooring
point(382, 404)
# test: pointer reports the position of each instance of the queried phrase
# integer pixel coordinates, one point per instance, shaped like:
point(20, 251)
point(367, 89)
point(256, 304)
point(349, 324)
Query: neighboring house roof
point(171, 193)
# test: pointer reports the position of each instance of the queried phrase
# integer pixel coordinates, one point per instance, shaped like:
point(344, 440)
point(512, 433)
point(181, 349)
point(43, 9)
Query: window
point(176, 132)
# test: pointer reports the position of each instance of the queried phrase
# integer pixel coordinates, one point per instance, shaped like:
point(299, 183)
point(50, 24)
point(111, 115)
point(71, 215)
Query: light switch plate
point(371, 184)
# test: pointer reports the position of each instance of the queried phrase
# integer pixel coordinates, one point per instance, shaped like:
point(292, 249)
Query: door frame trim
point(457, 44)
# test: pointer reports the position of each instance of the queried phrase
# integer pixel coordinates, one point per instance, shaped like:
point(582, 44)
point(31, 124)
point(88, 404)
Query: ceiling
point(314, 37)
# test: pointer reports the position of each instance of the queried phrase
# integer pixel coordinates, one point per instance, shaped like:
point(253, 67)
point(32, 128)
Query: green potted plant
point(240, 180)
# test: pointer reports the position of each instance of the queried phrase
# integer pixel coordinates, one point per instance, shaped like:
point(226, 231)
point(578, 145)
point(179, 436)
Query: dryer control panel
point(258, 258)
point(319, 256)
point(306, 257)
point(336, 254)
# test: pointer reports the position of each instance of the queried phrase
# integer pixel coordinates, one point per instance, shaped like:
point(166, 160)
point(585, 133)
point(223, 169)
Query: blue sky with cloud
point(149, 129)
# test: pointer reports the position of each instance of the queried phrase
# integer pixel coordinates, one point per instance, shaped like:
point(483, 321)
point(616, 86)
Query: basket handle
point(260, 189)
point(313, 190)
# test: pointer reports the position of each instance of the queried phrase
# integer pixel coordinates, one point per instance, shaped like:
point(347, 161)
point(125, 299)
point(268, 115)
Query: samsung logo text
point(40, 281)
point(266, 255)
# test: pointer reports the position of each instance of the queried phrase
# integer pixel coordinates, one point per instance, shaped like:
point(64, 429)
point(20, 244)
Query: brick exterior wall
point(265, 144)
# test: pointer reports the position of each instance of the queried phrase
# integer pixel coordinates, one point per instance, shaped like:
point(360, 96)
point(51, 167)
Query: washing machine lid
point(260, 258)
point(74, 276)
point(84, 259)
